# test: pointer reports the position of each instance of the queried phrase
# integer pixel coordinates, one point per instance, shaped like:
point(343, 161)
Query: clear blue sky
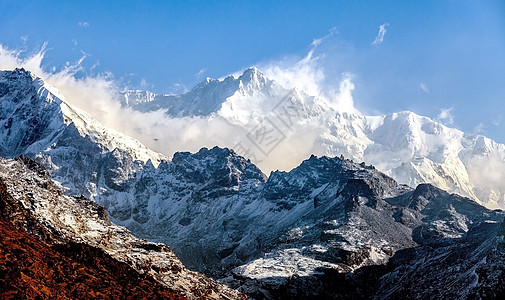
point(435, 54)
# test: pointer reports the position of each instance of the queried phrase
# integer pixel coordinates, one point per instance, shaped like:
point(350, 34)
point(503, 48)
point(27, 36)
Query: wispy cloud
point(318, 41)
point(380, 36)
point(83, 24)
point(497, 121)
point(308, 74)
point(178, 88)
point(143, 83)
point(24, 38)
point(479, 128)
point(424, 87)
point(200, 73)
point(95, 65)
point(445, 116)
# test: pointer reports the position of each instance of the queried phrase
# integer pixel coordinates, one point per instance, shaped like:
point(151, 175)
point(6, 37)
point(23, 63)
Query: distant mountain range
point(330, 228)
point(410, 148)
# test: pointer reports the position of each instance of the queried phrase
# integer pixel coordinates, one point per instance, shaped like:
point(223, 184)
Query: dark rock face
point(216, 171)
point(28, 120)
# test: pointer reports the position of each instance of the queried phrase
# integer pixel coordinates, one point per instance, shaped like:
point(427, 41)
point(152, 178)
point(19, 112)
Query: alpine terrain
point(330, 228)
point(410, 148)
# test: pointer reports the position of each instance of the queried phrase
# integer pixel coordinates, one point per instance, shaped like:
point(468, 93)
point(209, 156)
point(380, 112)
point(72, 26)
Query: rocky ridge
point(410, 148)
point(34, 204)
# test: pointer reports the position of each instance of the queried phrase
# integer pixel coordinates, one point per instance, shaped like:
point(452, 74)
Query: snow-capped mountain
point(412, 149)
point(205, 98)
point(289, 235)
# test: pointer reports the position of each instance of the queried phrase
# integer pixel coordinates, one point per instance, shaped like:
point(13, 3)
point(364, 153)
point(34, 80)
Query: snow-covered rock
point(34, 203)
point(412, 149)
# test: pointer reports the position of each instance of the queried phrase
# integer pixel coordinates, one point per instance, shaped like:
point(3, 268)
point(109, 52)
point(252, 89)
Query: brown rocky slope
point(54, 241)
point(31, 269)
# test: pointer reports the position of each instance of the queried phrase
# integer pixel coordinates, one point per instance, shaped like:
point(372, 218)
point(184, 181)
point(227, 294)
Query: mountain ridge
point(411, 148)
point(34, 204)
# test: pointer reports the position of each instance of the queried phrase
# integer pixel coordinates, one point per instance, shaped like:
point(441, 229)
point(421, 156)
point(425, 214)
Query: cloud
point(95, 65)
point(83, 24)
point(24, 38)
point(11, 59)
point(318, 41)
point(486, 172)
point(143, 84)
point(308, 74)
point(200, 73)
point(496, 122)
point(479, 128)
point(424, 87)
point(445, 116)
point(178, 88)
point(380, 36)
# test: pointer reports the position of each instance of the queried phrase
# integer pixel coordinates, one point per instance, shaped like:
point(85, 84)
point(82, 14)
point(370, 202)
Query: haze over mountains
point(330, 226)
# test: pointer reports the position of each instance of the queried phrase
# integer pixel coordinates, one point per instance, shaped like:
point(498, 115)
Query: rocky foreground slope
point(52, 242)
point(32, 269)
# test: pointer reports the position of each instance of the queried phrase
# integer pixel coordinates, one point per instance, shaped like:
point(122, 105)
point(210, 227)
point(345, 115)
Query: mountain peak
point(252, 72)
point(253, 79)
point(43, 116)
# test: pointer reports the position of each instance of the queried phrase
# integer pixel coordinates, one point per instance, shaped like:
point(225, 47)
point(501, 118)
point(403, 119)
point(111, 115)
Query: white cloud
point(95, 65)
point(83, 24)
point(380, 36)
point(486, 172)
point(497, 121)
point(445, 116)
point(143, 83)
point(308, 74)
point(424, 87)
point(318, 41)
point(178, 88)
point(24, 38)
point(200, 73)
point(479, 128)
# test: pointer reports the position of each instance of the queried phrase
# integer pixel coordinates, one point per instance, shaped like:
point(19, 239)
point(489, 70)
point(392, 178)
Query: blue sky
point(443, 59)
